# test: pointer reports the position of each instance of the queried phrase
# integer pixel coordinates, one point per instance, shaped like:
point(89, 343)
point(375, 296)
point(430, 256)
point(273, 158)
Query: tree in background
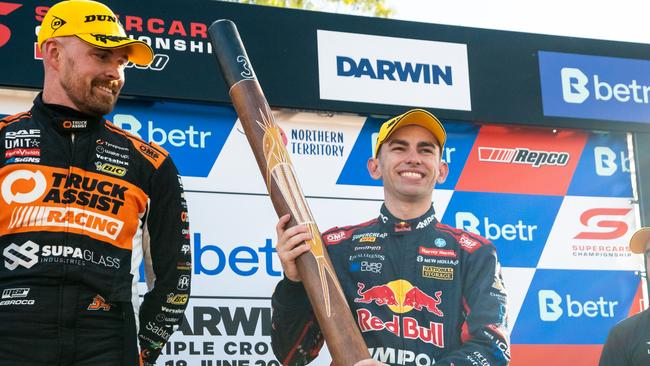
point(376, 8)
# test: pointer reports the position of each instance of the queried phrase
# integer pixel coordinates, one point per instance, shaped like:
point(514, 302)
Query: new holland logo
point(110, 169)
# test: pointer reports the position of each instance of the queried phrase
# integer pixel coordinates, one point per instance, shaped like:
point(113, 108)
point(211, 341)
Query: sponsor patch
point(99, 303)
point(110, 169)
point(22, 152)
point(183, 282)
point(177, 299)
point(433, 252)
point(16, 296)
point(438, 273)
point(469, 244)
point(336, 237)
point(23, 160)
point(402, 226)
point(15, 293)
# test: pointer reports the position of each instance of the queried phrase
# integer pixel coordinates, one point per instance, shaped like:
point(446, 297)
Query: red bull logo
point(402, 226)
point(381, 295)
point(408, 328)
point(400, 296)
point(419, 300)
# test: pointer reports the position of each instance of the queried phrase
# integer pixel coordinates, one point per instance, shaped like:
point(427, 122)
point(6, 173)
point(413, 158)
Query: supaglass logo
point(595, 87)
point(388, 70)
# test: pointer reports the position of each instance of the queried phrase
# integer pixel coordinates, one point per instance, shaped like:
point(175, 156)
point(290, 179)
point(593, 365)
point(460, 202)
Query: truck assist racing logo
point(55, 199)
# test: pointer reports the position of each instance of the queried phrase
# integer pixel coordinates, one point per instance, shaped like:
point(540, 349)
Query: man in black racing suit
point(82, 205)
point(421, 292)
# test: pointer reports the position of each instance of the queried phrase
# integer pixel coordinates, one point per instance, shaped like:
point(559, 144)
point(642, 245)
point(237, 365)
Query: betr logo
point(574, 84)
point(605, 159)
point(551, 309)
point(493, 231)
point(157, 135)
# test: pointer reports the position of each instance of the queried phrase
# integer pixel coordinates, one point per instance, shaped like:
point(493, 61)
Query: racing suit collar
point(63, 118)
point(397, 225)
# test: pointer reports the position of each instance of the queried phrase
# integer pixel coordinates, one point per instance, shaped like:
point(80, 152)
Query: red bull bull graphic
point(418, 300)
point(400, 296)
point(381, 295)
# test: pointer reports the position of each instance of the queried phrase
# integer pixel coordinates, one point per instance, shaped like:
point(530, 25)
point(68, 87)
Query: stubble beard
point(85, 97)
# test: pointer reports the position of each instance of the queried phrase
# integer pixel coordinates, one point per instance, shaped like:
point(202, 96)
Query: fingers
point(290, 245)
point(279, 228)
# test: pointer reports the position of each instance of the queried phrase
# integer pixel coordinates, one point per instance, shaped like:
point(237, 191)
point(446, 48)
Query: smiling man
point(422, 293)
point(82, 205)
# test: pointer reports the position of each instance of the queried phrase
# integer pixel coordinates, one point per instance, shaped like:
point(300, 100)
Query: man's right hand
point(291, 244)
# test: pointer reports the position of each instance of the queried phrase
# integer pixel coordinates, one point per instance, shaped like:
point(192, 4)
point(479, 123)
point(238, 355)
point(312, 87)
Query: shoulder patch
point(337, 234)
point(469, 242)
point(152, 152)
point(14, 118)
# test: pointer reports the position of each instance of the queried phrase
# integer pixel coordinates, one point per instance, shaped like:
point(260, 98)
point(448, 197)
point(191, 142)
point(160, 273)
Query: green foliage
point(377, 8)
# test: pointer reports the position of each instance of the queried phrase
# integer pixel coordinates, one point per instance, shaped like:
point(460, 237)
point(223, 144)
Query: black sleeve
point(296, 337)
point(485, 336)
point(167, 261)
point(615, 349)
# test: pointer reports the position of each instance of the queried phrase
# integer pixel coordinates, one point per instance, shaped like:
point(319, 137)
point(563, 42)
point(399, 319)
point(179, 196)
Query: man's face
point(91, 77)
point(409, 164)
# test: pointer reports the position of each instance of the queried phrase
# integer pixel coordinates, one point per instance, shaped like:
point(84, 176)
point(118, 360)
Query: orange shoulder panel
point(152, 152)
point(15, 118)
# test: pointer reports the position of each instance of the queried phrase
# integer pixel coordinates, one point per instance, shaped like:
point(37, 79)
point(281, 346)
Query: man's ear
point(444, 172)
point(374, 169)
point(52, 53)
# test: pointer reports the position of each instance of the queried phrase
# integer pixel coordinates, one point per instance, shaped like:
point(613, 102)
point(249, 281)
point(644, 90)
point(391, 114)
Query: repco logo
point(23, 186)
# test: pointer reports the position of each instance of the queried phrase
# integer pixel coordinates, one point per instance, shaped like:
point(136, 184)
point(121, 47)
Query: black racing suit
point(82, 205)
point(628, 342)
point(421, 292)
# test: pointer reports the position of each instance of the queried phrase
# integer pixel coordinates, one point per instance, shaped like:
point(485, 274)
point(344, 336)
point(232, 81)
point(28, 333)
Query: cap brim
point(639, 240)
point(139, 52)
point(422, 118)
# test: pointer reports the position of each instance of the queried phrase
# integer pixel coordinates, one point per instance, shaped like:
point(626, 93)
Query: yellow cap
point(93, 23)
point(639, 239)
point(418, 117)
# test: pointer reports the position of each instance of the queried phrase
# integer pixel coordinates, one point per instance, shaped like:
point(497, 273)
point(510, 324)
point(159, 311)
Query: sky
point(626, 21)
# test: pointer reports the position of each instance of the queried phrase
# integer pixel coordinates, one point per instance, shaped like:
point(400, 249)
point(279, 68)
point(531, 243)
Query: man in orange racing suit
point(82, 205)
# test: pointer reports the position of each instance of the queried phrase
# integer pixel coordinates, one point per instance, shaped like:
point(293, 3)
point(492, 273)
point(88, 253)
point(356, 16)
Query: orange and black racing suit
point(82, 205)
point(422, 293)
